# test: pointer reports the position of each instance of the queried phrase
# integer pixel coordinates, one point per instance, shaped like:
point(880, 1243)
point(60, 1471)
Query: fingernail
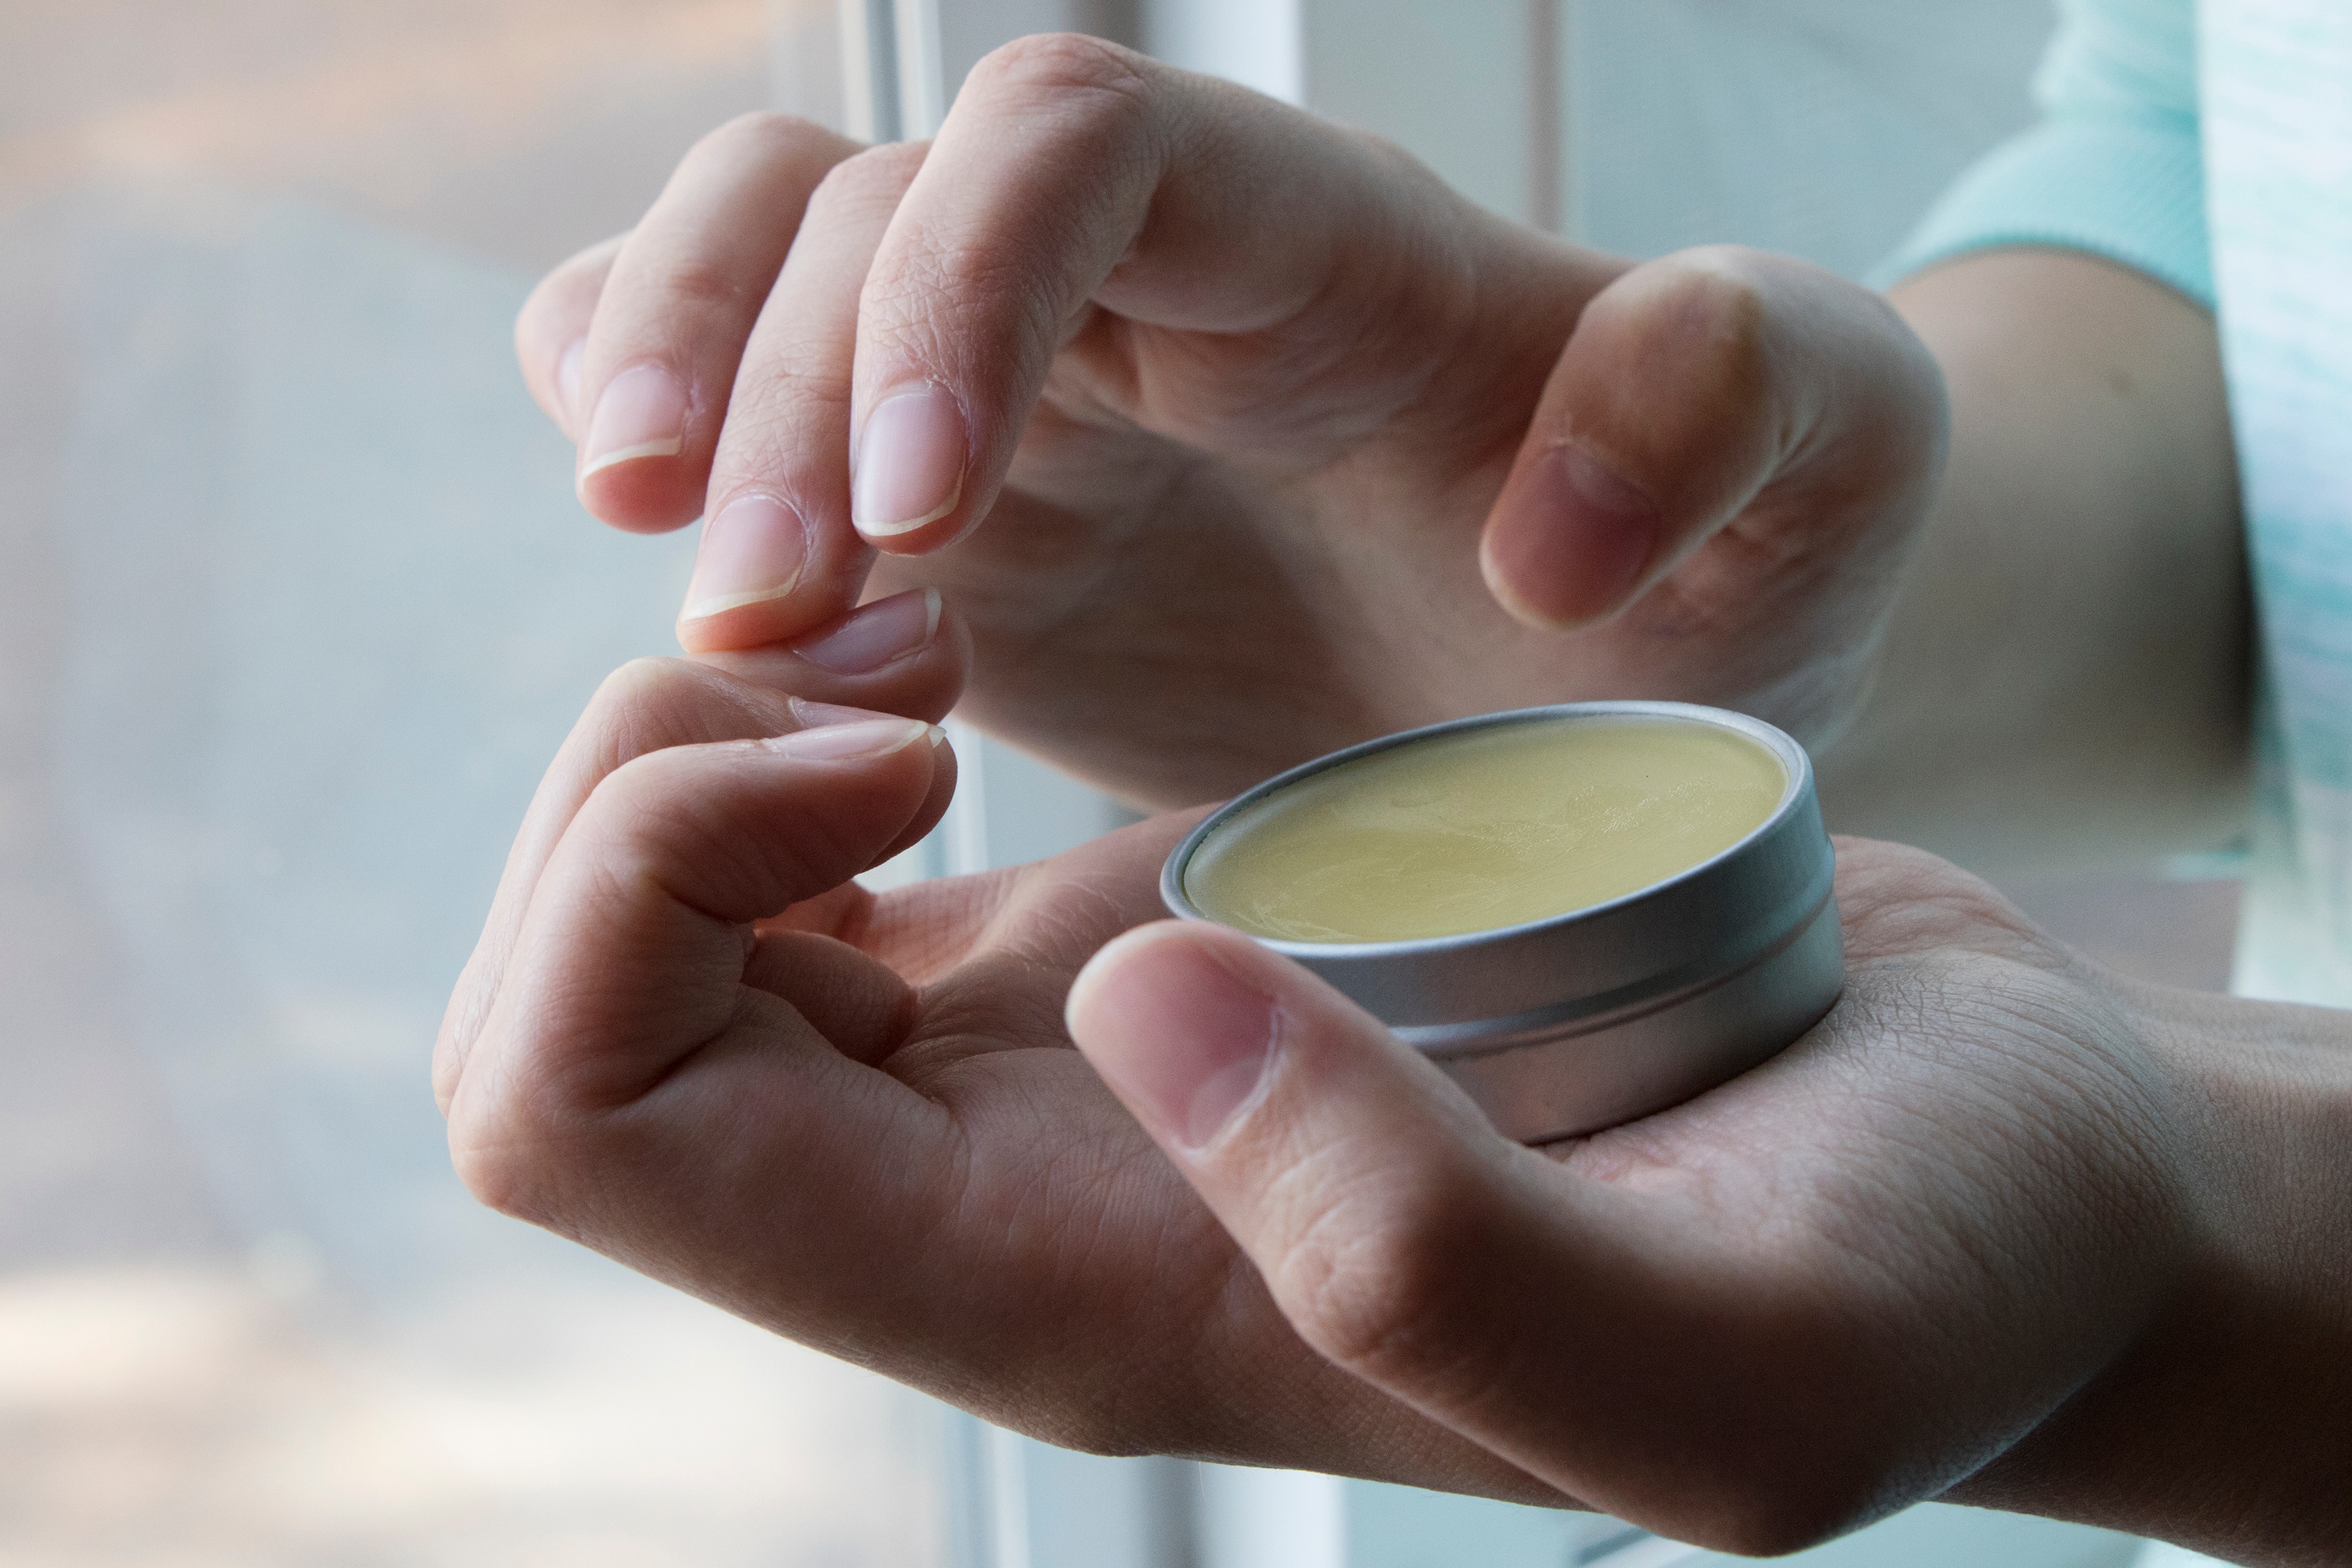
point(1609, 527)
point(849, 743)
point(753, 549)
point(1195, 1042)
point(567, 382)
point(817, 715)
point(876, 634)
point(909, 462)
point(641, 414)
point(1571, 541)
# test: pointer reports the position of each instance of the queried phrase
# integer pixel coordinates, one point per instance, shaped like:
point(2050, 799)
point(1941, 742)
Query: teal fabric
point(2115, 167)
point(2275, 93)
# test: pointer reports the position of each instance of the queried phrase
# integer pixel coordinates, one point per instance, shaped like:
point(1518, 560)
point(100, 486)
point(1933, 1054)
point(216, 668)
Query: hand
point(2003, 1229)
point(1236, 435)
point(688, 1040)
point(1961, 1239)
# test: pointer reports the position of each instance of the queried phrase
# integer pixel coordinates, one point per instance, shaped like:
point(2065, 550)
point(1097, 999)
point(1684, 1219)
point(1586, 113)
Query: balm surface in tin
point(1584, 913)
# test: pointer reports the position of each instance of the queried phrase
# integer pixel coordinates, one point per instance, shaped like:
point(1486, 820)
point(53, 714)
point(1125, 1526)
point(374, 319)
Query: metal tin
point(1575, 1023)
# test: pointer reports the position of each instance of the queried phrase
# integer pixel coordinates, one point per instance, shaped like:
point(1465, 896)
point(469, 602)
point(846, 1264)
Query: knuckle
point(644, 684)
point(502, 1181)
point(1728, 260)
point(1049, 66)
point(878, 175)
point(1719, 301)
point(643, 706)
point(767, 134)
point(772, 420)
point(1379, 1284)
point(1765, 1503)
point(1706, 322)
point(673, 830)
point(1001, 318)
point(1103, 1429)
point(1761, 1516)
point(511, 1151)
point(700, 283)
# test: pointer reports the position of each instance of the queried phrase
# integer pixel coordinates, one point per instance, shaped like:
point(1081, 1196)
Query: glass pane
point(296, 605)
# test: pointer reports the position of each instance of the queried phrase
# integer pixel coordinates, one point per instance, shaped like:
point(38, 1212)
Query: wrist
point(2221, 1426)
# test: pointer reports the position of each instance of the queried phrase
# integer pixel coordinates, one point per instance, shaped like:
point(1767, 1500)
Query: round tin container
point(1582, 1020)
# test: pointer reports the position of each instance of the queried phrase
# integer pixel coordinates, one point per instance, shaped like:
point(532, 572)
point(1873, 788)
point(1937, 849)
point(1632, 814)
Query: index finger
point(1071, 171)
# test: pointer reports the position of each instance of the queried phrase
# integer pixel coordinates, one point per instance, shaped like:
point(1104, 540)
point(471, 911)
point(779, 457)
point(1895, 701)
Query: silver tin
point(1576, 1023)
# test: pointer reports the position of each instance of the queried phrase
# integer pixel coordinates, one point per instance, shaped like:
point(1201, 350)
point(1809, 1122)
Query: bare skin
point(1234, 438)
point(1327, 494)
point(2065, 682)
point(2003, 1228)
point(1256, 421)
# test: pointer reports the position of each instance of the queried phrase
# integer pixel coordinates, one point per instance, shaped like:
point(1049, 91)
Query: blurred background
point(294, 605)
point(295, 602)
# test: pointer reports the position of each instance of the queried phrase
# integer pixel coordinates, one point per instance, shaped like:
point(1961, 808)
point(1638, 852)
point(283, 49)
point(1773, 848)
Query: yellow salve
point(1485, 829)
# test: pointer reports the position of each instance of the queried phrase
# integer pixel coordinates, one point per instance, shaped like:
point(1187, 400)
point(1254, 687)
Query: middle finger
point(779, 552)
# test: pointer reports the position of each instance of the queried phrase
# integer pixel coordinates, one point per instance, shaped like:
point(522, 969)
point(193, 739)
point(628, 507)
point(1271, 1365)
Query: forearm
point(2227, 1426)
point(2064, 680)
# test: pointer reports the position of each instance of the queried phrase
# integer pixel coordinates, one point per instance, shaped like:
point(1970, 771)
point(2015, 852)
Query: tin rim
point(1795, 793)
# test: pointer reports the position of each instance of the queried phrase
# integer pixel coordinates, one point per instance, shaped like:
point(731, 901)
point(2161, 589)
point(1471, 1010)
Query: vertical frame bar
point(1548, 154)
point(922, 73)
point(869, 69)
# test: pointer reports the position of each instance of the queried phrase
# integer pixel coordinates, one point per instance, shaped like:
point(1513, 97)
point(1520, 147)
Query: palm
point(1938, 1163)
point(950, 1194)
point(947, 1194)
point(862, 1124)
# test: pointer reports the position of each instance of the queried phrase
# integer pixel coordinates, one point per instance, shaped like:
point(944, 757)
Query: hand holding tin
point(688, 1040)
point(1209, 415)
point(2001, 1229)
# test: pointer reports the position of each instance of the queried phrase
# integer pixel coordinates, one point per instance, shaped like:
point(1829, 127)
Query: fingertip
point(1181, 1033)
point(904, 653)
point(550, 332)
point(1100, 982)
point(908, 480)
point(945, 770)
point(753, 580)
point(1571, 540)
point(1498, 577)
point(567, 387)
point(646, 494)
point(872, 637)
point(854, 740)
point(741, 627)
point(638, 468)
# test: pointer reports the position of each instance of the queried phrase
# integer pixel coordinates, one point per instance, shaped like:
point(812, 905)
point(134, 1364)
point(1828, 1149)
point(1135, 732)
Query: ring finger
point(669, 327)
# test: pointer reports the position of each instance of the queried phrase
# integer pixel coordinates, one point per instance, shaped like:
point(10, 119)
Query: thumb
point(1692, 385)
point(1387, 1215)
point(1588, 1335)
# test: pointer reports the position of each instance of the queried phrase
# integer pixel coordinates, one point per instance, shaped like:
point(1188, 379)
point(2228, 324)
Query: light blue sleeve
point(2115, 167)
